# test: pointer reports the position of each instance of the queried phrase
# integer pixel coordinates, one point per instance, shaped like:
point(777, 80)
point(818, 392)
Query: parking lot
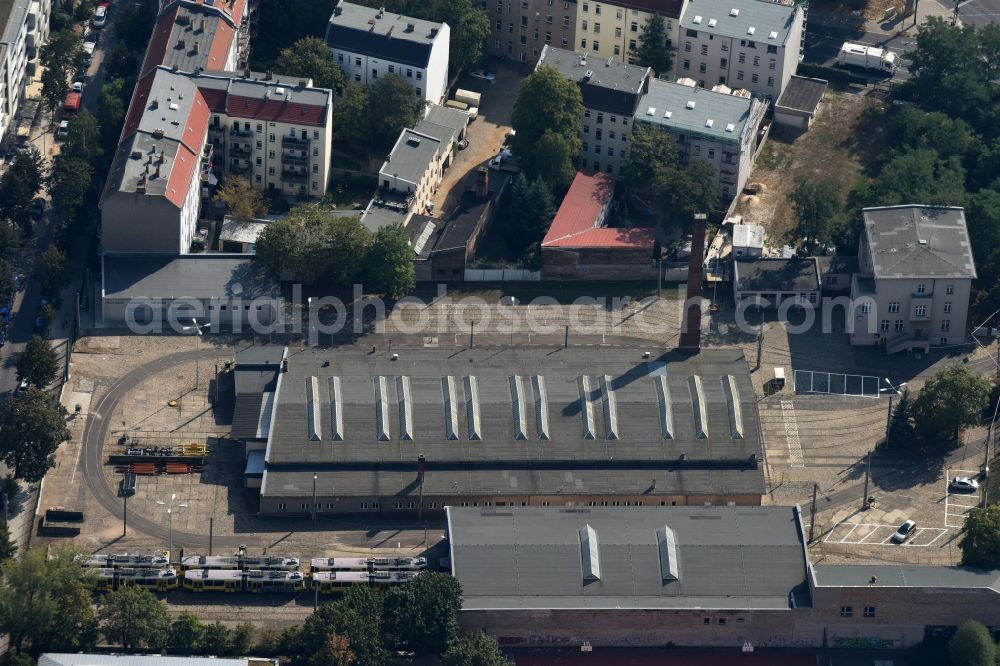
point(958, 504)
point(870, 534)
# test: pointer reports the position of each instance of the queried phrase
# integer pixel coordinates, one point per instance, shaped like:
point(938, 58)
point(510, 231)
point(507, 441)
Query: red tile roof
point(276, 110)
point(576, 223)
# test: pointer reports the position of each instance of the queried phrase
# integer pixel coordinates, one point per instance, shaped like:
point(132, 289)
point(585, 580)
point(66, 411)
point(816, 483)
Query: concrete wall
point(792, 118)
point(140, 223)
point(436, 89)
point(597, 264)
point(429, 83)
point(895, 307)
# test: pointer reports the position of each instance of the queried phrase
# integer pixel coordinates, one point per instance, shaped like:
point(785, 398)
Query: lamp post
point(892, 391)
point(170, 521)
point(196, 327)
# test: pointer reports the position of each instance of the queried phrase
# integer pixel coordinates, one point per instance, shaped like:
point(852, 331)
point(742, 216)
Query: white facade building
point(750, 44)
point(368, 43)
point(25, 25)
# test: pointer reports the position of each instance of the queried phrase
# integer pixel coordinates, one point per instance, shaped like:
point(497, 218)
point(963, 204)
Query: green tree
point(818, 206)
point(54, 87)
point(215, 639)
point(6, 281)
point(120, 62)
point(241, 640)
point(470, 28)
point(44, 604)
point(422, 614)
point(311, 245)
point(652, 50)
point(350, 122)
point(534, 208)
point(111, 106)
point(31, 165)
point(10, 243)
point(133, 618)
point(69, 180)
point(389, 262)
point(132, 26)
point(8, 548)
point(32, 425)
point(367, 602)
point(391, 107)
point(241, 198)
point(59, 56)
point(311, 57)
point(972, 645)
point(16, 195)
point(282, 22)
point(950, 401)
point(475, 649)
point(682, 192)
point(547, 117)
point(184, 637)
point(38, 362)
point(51, 270)
point(335, 651)
point(83, 139)
point(980, 542)
point(336, 619)
point(920, 175)
point(901, 432)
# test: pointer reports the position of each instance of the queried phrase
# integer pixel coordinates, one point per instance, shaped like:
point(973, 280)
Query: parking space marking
point(792, 434)
point(874, 534)
point(951, 515)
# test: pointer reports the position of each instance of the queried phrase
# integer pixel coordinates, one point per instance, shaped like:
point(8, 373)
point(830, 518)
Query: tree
point(185, 634)
point(350, 122)
point(120, 62)
point(534, 209)
point(547, 102)
point(111, 106)
point(901, 432)
point(972, 645)
point(920, 175)
point(311, 57)
point(335, 651)
point(44, 603)
point(389, 262)
point(8, 548)
point(51, 270)
point(818, 206)
point(215, 639)
point(282, 22)
point(69, 181)
point(311, 244)
point(6, 281)
point(132, 26)
point(133, 618)
point(391, 107)
point(244, 202)
point(16, 195)
point(337, 619)
point(422, 614)
point(32, 425)
point(38, 362)
point(241, 640)
point(31, 165)
point(652, 50)
point(949, 401)
point(54, 87)
point(59, 56)
point(470, 28)
point(83, 139)
point(980, 542)
point(475, 649)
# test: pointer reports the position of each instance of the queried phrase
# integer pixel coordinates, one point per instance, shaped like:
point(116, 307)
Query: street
point(979, 13)
point(824, 38)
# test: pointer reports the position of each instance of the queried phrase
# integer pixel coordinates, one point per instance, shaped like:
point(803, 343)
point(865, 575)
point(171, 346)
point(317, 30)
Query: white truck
point(471, 99)
point(868, 57)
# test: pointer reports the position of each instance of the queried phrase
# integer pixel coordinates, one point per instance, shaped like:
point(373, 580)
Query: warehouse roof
point(695, 111)
point(200, 276)
point(766, 23)
point(893, 575)
point(637, 557)
point(916, 241)
point(579, 222)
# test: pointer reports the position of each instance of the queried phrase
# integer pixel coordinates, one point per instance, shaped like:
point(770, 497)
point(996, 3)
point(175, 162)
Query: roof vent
point(589, 73)
point(712, 23)
point(668, 114)
point(690, 104)
point(590, 553)
point(730, 127)
point(751, 30)
point(434, 32)
point(410, 27)
point(158, 133)
point(279, 91)
point(413, 141)
point(180, 43)
point(734, 12)
point(651, 110)
point(922, 241)
point(666, 543)
point(709, 123)
point(136, 154)
point(773, 34)
point(697, 20)
point(381, 12)
point(174, 106)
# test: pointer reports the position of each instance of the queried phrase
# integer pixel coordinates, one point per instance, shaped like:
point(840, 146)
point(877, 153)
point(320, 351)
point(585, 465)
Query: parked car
point(905, 531)
point(483, 75)
point(463, 144)
point(63, 130)
point(77, 87)
point(963, 484)
point(22, 387)
point(100, 16)
point(38, 207)
point(88, 51)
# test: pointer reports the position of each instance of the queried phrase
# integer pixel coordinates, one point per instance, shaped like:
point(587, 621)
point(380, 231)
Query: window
point(270, 171)
point(600, 118)
point(357, 62)
point(613, 119)
point(894, 306)
point(632, 46)
point(707, 620)
point(686, 65)
point(634, 27)
point(597, 134)
point(611, 152)
point(420, 93)
point(548, 18)
point(374, 73)
point(722, 621)
point(756, 61)
point(701, 68)
point(739, 75)
point(586, 113)
point(754, 77)
point(565, 21)
point(259, 162)
point(597, 45)
point(583, 25)
point(723, 62)
point(943, 341)
point(884, 326)
point(270, 137)
point(866, 308)
point(364, 505)
point(597, 166)
point(340, 58)
point(315, 152)
point(899, 325)
point(920, 311)
point(704, 49)
point(565, 42)
point(725, 46)
point(583, 43)
point(618, 33)
point(524, 21)
point(846, 611)
point(770, 82)
point(618, 15)
point(618, 50)
point(257, 178)
point(524, 41)
point(409, 73)
point(548, 37)
point(586, 129)
point(611, 134)
point(772, 49)
point(305, 505)
point(586, 7)
point(357, 77)
point(691, 33)
point(949, 289)
point(687, 47)
point(947, 307)
point(772, 64)
point(624, 138)
point(743, 58)
point(315, 168)
point(597, 28)
point(869, 611)
point(921, 288)
point(586, 146)
point(597, 9)
point(945, 325)
point(259, 145)
point(625, 122)
point(812, 297)
point(282, 506)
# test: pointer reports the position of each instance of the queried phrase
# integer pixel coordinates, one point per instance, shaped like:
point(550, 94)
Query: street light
point(170, 521)
point(892, 391)
point(197, 346)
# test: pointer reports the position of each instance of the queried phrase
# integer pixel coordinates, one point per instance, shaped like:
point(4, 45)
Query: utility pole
point(888, 421)
point(472, 332)
point(314, 502)
point(421, 467)
point(868, 473)
point(124, 515)
point(760, 346)
point(812, 513)
point(211, 533)
point(659, 278)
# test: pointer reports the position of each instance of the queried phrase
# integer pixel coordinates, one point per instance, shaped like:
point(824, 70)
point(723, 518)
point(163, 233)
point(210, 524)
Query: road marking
point(850, 533)
point(877, 529)
point(792, 434)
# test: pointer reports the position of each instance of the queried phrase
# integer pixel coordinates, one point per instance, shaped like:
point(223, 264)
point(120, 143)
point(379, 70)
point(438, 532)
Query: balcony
point(298, 160)
point(241, 133)
point(294, 176)
point(240, 150)
point(287, 140)
point(239, 167)
point(215, 128)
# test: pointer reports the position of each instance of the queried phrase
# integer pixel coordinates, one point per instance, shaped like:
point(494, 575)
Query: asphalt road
point(979, 13)
point(823, 41)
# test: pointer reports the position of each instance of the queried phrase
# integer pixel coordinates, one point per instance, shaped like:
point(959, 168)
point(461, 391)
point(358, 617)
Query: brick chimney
point(691, 322)
point(482, 182)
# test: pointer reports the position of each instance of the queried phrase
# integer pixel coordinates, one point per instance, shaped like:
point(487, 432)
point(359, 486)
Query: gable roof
point(578, 223)
point(375, 32)
point(916, 241)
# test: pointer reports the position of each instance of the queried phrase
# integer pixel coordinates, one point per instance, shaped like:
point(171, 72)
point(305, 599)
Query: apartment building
point(611, 95)
point(186, 130)
point(25, 26)
point(750, 44)
point(716, 127)
point(368, 43)
point(915, 275)
point(612, 29)
point(522, 28)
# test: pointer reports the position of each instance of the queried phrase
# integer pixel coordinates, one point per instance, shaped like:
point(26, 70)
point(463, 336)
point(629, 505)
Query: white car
point(77, 87)
point(483, 75)
point(963, 484)
point(100, 17)
point(905, 531)
point(63, 130)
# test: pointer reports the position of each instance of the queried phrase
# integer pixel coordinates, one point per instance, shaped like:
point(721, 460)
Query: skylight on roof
point(730, 127)
point(709, 123)
point(773, 34)
point(668, 114)
point(734, 12)
point(651, 110)
point(751, 30)
point(690, 104)
point(712, 23)
point(697, 19)
point(174, 106)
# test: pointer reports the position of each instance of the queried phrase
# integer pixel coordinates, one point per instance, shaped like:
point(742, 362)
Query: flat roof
point(748, 235)
point(802, 94)
point(737, 558)
point(410, 157)
point(606, 85)
point(769, 274)
point(200, 276)
point(916, 241)
point(241, 231)
point(588, 420)
point(893, 575)
point(695, 111)
point(766, 23)
point(381, 214)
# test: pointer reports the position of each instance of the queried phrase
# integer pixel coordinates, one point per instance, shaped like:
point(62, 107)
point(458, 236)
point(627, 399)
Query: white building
point(25, 25)
point(716, 127)
point(751, 44)
point(369, 43)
